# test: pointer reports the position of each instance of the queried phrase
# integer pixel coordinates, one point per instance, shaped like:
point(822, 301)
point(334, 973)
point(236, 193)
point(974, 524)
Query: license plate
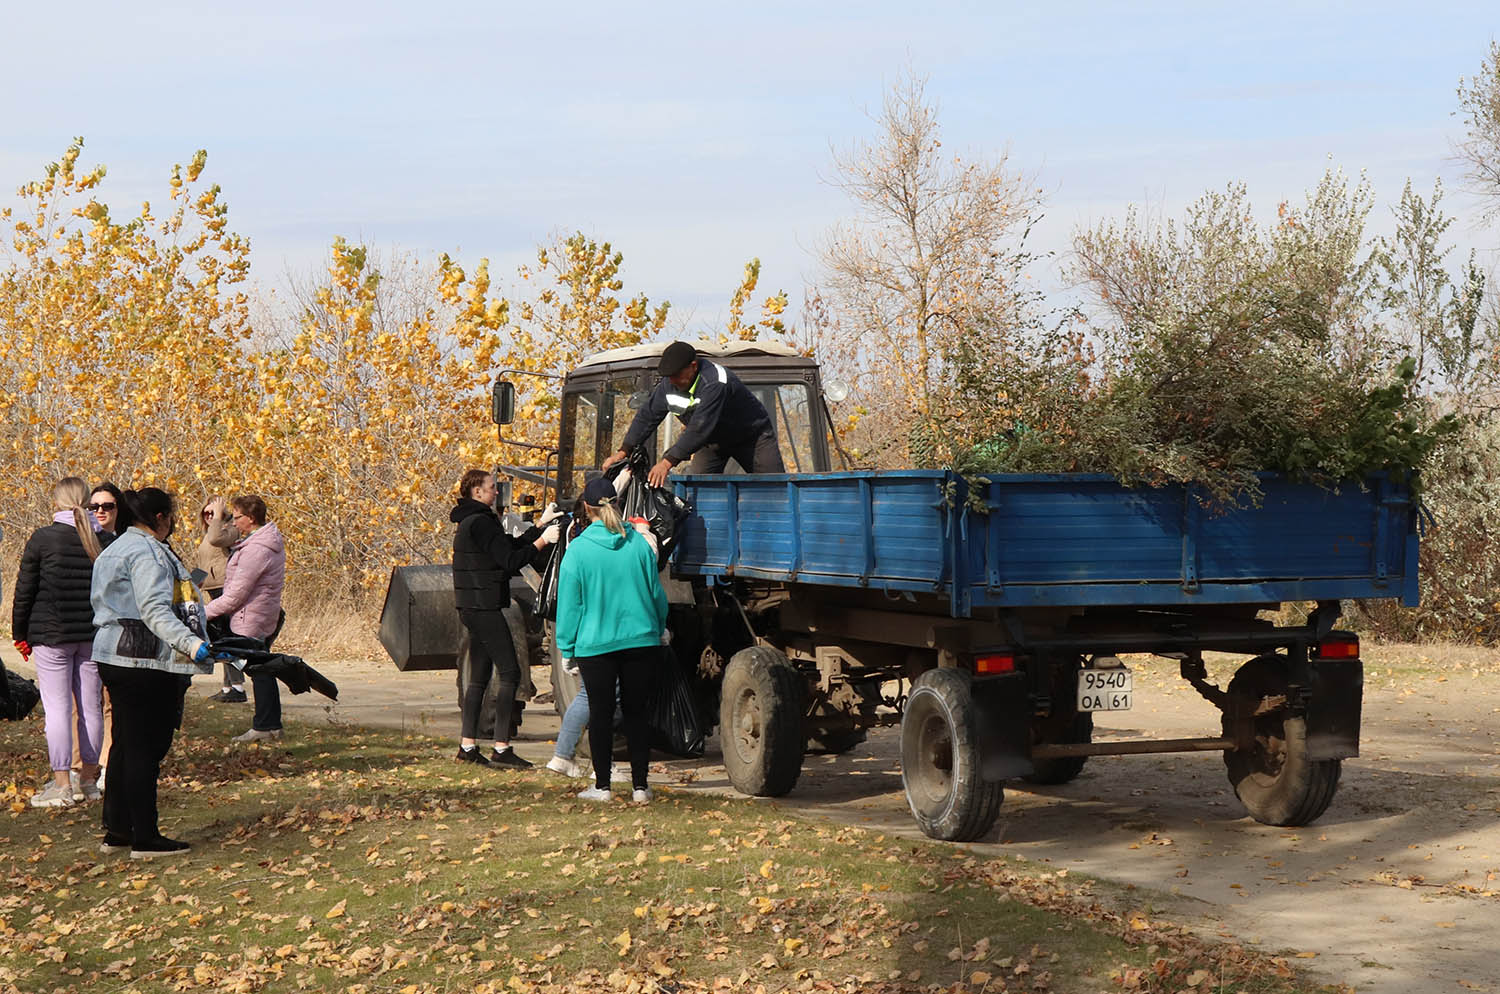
point(1104, 690)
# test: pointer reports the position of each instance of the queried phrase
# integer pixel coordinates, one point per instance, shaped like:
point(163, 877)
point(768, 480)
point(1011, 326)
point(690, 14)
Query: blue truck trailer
point(990, 623)
point(1000, 617)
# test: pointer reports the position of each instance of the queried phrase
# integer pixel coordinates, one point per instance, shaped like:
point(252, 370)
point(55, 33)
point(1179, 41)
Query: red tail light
point(1341, 647)
point(994, 663)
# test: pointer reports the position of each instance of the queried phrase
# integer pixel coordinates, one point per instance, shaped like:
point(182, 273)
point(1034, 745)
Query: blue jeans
point(576, 719)
point(573, 722)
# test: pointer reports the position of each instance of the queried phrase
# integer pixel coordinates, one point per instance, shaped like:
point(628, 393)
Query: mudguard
point(1333, 708)
point(1002, 719)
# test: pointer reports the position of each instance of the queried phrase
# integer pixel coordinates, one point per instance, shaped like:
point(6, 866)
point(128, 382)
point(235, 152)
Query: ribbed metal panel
point(1053, 540)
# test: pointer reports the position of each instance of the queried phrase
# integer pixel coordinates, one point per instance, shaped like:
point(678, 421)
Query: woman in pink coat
point(251, 600)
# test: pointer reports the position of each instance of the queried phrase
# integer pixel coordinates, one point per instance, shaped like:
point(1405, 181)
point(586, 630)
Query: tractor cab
point(602, 395)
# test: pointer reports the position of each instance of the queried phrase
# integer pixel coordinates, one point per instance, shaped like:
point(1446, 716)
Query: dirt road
point(1393, 890)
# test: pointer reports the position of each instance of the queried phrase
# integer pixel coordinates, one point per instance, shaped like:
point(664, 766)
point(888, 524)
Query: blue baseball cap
point(599, 491)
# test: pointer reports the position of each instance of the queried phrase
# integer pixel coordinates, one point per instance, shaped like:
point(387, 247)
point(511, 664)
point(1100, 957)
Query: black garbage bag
point(546, 597)
point(675, 725)
point(292, 671)
point(18, 695)
point(661, 508)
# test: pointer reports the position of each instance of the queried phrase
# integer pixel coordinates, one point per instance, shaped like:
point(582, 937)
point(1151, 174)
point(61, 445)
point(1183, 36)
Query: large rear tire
point(760, 722)
point(1275, 779)
point(940, 760)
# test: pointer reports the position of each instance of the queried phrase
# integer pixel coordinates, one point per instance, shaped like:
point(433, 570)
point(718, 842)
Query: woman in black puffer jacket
point(51, 617)
point(484, 560)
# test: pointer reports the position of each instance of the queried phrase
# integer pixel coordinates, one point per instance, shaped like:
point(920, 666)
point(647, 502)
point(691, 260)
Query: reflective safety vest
point(682, 404)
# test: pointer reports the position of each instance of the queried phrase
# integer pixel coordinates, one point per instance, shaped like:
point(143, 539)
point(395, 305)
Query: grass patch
point(365, 860)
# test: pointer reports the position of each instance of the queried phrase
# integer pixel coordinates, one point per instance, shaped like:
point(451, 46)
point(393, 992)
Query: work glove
point(569, 667)
point(24, 648)
point(551, 514)
point(552, 533)
point(204, 654)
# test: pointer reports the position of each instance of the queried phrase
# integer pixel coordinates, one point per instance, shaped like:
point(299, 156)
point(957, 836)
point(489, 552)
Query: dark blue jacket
point(717, 408)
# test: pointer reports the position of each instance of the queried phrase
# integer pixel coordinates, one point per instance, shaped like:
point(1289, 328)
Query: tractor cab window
point(791, 412)
point(790, 407)
point(579, 459)
point(617, 414)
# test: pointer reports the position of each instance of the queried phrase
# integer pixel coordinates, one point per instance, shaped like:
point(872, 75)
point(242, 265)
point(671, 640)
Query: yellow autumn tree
point(575, 308)
point(368, 416)
point(771, 309)
point(127, 351)
point(120, 342)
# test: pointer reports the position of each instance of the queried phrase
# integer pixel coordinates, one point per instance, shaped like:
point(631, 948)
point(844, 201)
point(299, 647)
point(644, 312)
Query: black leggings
point(491, 649)
point(147, 708)
point(636, 671)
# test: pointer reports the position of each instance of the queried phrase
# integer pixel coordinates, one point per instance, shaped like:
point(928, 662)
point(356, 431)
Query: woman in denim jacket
point(150, 642)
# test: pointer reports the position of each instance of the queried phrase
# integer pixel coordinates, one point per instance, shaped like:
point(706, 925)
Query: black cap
point(598, 491)
point(676, 358)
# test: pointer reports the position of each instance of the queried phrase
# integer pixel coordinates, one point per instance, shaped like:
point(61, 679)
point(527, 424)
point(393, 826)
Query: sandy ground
point(1393, 890)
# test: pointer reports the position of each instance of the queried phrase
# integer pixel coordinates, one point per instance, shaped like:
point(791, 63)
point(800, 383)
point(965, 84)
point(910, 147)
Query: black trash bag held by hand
point(675, 725)
point(661, 507)
point(546, 597)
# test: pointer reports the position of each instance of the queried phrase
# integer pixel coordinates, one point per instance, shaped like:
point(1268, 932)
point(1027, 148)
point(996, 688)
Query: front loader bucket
point(419, 626)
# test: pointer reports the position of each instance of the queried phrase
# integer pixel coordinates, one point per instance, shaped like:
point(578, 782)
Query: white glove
point(666, 636)
point(551, 534)
point(550, 515)
point(569, 667)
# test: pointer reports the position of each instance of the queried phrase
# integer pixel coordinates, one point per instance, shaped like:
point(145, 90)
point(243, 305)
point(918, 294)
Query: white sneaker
point(89, 789)
point(594, 794)
point(256, 735)
point(567, 767)
point(54, 795)
point(642, 796)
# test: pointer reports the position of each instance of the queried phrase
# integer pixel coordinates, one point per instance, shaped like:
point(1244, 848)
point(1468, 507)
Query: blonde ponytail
point(609, 516)
point(69, 495)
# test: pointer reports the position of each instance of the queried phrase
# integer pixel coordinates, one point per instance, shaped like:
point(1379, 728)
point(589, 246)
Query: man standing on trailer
point(721, 419)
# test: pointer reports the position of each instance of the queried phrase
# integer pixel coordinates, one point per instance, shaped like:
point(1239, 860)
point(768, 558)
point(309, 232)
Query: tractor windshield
point(596, 416)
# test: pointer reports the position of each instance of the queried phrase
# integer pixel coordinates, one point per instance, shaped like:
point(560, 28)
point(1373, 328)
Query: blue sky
point(694, 136)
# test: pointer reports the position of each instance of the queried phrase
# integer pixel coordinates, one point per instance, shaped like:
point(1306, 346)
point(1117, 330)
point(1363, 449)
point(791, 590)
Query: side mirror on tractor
point(503, 403)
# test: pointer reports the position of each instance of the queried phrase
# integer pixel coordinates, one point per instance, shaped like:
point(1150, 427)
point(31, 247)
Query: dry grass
point(323, 629)
point(361, 859)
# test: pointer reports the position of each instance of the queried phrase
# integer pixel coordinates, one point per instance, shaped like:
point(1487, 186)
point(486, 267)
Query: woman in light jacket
point(150, 640)
point(610, 614)
point(253, 582)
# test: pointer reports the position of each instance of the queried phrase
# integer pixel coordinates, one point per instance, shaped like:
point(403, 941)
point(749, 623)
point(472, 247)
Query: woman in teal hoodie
point(610, 613)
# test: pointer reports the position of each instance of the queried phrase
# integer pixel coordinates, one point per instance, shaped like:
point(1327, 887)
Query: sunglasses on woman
point(96, 508)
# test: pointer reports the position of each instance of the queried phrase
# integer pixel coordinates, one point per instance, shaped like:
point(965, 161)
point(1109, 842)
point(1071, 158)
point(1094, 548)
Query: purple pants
point(65, 674)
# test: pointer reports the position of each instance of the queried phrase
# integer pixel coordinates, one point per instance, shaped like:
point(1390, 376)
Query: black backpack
point(18, 695)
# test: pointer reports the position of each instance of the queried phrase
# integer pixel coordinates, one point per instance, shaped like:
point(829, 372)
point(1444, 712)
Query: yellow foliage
point(128, 353)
